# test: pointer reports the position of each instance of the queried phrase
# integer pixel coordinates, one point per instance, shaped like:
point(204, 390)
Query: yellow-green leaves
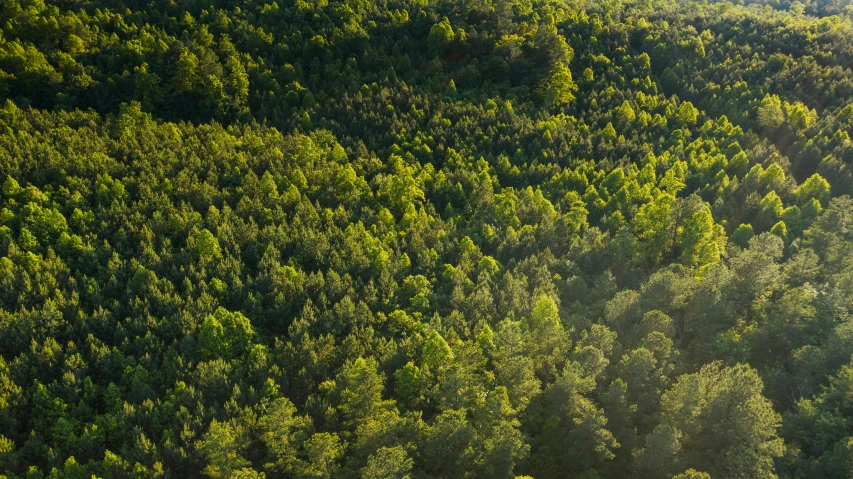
point(225, 335)
point(206, 245)
point(436, 352)
point(559, 87)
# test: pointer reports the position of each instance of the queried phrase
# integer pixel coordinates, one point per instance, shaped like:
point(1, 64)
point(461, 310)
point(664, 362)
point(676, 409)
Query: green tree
point(408, 383)
point(502, 443)
point(742, 235)
point(435, 353)
point(780, 230)
point(724, 423)
point(11, 187)
point(186, 72)
point(770, 112)
point(692, 473)
point(446, 448)
point(702, 241)
point(206, 245)
point(322, 452)
point(569, 431)
point(440, 37)
point(559, 86)
point(225, 334)
point(388, 462)
point(687, 113)
point(237, 84)
point(815, 187)
point(359, 388)
point(625, 114)
point(546, 340)
point(282, 432)
point(221, 448)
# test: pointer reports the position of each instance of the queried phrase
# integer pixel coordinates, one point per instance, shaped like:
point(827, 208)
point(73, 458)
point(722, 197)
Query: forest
point(411, 239)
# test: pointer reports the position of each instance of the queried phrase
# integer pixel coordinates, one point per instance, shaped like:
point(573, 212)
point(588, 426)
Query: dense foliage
point(426, 238)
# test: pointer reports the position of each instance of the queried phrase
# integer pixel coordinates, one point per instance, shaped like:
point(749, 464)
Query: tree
point(815, 187)
point(569, 433)
point(803, 267)
point(322, 451)
point(770, 112)
point(436, 352)
point(608, 133)
point(146, 86)
point(701, 239)
point(799, 115)
point(282, 432)
point(388, 462)
point(11, 187)
point(683, 229)
point(742, 235)
point(517, 374)
point(725, 425)
point(625, 114)
point(206, 246)
point(780, 230)
point(211, 338)
point(225, 335)
point(653, 224)
point(693, 473)
point(662, 454)
point(408, 383)
point(440, 37)
point(237, 84)
point(502, 444)
point(359, 389)
point(559, 86)
point(546, 339)
point(446, 447)
point(687, 113)
point(221, 447)
point(770, 210)
point(186, 72)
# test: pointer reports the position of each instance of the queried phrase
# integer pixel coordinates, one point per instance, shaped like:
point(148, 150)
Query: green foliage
point(206, 245)
point(815, 187)
point(441, 36)
point(435, 352)
point(500, 239)
point(388, 462)
point(323, 450)
point(11, 188)
point(692, 473)
point(625, 114)
point(687, 113)
point(359, 389)
point(701, 240)
point(225, 335)
point(770, 113)
point(282, 432)
point(221, 448)
point(720, 422)
point(609, 132)
point(408, 383)
point(559, 86)
point(780, 230)
point(742, 234)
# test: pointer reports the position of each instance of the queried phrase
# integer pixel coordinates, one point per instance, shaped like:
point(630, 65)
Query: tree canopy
point(414, 239)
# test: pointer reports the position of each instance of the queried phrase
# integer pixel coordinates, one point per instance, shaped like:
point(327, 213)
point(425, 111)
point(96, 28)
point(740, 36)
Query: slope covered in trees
point(417, 238)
